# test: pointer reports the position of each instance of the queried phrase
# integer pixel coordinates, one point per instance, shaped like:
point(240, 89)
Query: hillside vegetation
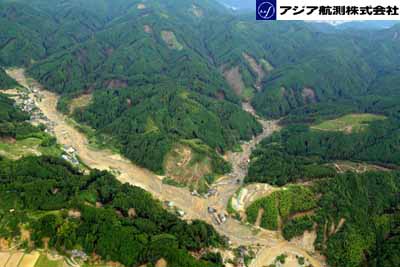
point(168, 73)
point(190, 43)
point(45, 202)
point(94, 213)
point(149, 120)
point(357, 214)
point(301, 151)
point(152, 83)
point(356, 217)
point(5, 81)
point(193, 54)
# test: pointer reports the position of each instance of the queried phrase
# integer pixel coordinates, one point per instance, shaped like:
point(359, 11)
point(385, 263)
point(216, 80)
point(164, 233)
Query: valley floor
point(268, 244)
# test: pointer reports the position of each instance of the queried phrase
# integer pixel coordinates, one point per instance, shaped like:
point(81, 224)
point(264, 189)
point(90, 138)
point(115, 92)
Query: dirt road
point(267, 256)
point(194, 207)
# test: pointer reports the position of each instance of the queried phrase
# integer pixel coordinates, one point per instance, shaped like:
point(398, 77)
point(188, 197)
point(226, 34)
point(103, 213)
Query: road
point(194, 207)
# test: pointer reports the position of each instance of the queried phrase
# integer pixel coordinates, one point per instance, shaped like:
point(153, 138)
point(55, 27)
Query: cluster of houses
point(70, 155)
point(242, 255)
point(220, 218)
point(76, 258)
point(211, 192)
point(171, 206)
point(26, 102)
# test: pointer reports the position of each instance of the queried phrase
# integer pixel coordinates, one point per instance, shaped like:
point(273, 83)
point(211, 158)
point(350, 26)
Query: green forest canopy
point(119, 222)
point(357, 217)
point(130, 226)
point(301, 152)
point(115, 51)
point(120, 49)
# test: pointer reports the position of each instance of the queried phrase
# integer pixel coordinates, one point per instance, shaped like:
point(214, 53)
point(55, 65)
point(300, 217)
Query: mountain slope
point(196, 47)
point(5, 81)
point(148, 57)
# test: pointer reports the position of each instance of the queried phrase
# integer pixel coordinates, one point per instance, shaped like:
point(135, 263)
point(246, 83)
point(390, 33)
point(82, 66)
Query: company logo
point(266, 10)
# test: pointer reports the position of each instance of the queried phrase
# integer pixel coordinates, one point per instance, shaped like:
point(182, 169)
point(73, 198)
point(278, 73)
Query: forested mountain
point(10, 117)
point(194, 48)
point(303, 147)
point(56, 203)
point(102, 45)
point(316, 143)
point(5, 81)
point(356, 217)
point(369, 205)
point(162, 73)
point(368, 66)
point(62, 208)
point(136, 50)
point(12, 120)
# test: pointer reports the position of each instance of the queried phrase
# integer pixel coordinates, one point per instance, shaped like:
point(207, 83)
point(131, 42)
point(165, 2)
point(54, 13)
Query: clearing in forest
point(266, 65)
point(234, 79)
point(80, 102)
point(349, 123)
point(170, 39)
point(147, 29)
point(257, 68)
point(141, 6)
point(186, 166)
point(196, 11)
point(32, 146)
point(357, 167)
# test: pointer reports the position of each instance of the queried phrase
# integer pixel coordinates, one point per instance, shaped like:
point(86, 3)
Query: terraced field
point(21, 259)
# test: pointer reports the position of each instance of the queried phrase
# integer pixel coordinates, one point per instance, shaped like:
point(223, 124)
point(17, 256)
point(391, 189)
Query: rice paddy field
point(33, 259)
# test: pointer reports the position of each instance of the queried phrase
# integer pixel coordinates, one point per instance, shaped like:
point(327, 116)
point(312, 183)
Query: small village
point(26, 100)
point(30, 99)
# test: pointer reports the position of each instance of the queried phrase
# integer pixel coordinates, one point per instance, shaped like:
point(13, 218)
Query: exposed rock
point(170, 39)
point(147, 28)
point(161, 263)
point(74, 214)
point(114, 84)
point(132, 213)
point(234, 79)
point(308, 95)
point(196, 11)
point(257, 68)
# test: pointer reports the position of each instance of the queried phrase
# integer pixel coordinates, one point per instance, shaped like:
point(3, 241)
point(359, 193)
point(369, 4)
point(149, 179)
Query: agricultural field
point(32, 259)
point(31, 146)
point(349, 123)
point(44, 261)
